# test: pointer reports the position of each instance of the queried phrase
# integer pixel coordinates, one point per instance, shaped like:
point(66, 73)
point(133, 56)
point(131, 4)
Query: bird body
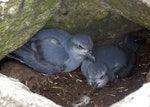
point(113, 56)
point(54, 50)
point(118, 59)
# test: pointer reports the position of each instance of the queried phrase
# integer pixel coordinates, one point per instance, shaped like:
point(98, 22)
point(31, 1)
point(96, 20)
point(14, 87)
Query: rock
point(91, 17)
point(139, 98)
point(15, 94)
point(20, 19)
point(137, 11)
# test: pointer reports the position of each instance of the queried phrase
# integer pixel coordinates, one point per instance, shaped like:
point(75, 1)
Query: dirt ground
point(66, 88)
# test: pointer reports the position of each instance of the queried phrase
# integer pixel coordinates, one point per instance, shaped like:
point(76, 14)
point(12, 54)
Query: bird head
point(80, 47)
point(97, 75)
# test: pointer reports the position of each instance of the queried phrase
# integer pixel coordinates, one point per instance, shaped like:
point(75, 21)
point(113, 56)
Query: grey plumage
point(112, 61)
point(95, 73)
point(54, 50)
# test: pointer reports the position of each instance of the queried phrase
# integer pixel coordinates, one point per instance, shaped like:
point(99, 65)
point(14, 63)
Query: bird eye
point(79, 46)
point(102, 77)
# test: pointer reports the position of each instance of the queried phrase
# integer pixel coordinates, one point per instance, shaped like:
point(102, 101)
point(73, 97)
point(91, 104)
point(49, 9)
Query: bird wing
point(50, 50)
point(45, 51)
point(60, 35)
point(45, 55)
point(127, 70)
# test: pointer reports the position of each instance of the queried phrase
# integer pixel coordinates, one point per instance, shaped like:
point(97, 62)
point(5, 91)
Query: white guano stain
point(3, 5)
point(147, 2)
point(12, 10)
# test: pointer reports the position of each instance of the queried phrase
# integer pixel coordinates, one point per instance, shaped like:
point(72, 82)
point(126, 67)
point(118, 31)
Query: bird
point(54, 50)
point(111, 61)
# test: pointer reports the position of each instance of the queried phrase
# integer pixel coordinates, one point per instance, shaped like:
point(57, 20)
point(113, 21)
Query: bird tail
point(140, 40)
point(130, 45)
point(16, 55)
point(20, 53)
point(132, 42)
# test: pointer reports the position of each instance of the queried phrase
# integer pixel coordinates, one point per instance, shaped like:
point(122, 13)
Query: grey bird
point(111, 61)
point(54, 50)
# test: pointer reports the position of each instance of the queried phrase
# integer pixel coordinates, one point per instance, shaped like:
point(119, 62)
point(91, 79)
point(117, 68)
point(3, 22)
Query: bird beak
point(90, 56)
point(95, 86)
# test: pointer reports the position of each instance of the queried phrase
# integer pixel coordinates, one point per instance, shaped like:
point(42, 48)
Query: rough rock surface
point(20, 19)
point(91, 17)
point(134, 99)
point(137, 11)
point(15, 94)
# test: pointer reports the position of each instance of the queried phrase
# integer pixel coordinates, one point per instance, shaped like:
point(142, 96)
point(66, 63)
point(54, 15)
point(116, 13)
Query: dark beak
point(94, 85)
point(90, 56)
